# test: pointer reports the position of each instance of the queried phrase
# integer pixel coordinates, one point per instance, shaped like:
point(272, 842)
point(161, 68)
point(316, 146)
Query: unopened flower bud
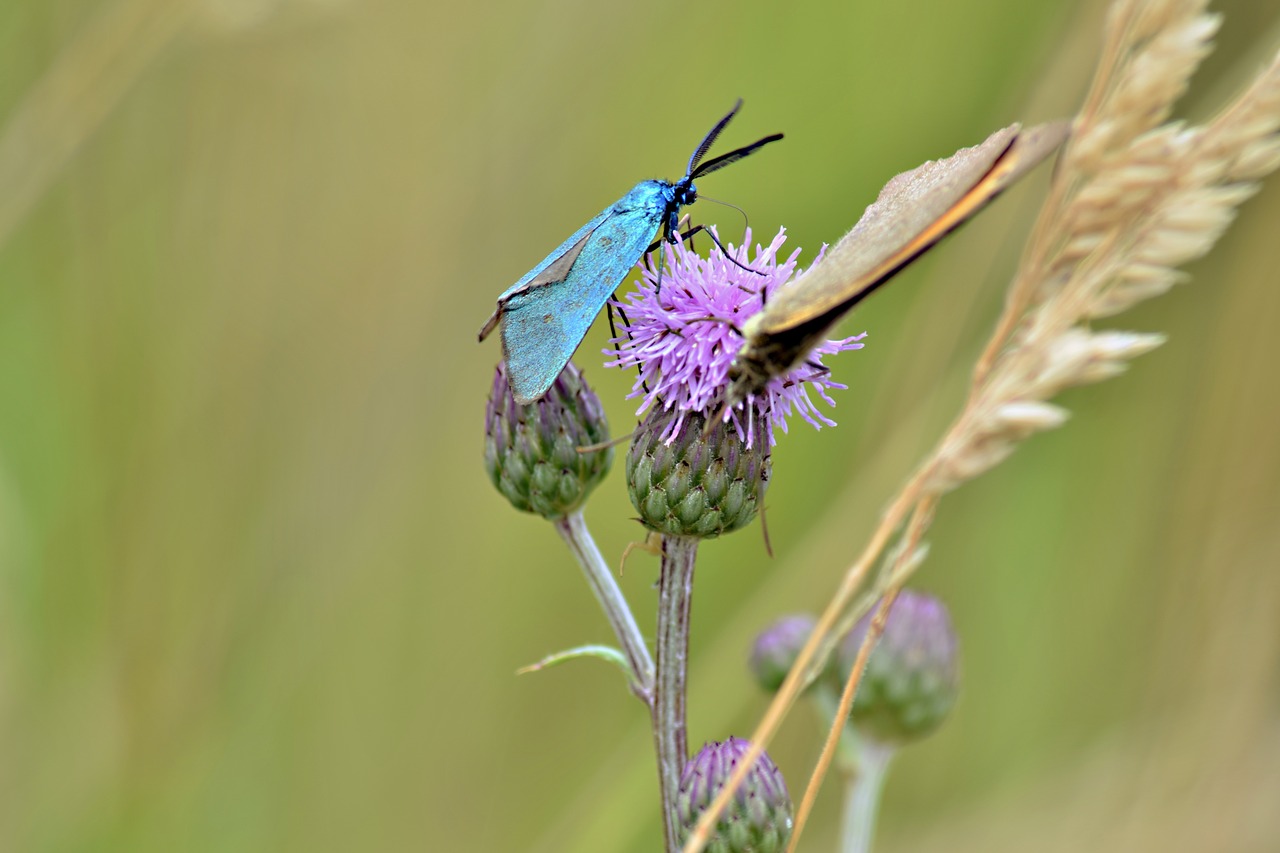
point(531, 452)
point(757, 820)
point(912, 675)
point(699, 486)
point(776, 649)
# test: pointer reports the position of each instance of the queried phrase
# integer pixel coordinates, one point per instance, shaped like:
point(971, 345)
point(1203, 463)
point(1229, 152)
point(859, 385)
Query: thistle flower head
point(701, 483)
point(776, 649)
point(683, 331)
point(913, 674)
point(531, 452)
point(759, 818)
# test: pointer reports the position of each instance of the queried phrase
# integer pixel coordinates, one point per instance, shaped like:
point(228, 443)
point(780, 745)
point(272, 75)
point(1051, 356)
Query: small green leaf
point(604, 653)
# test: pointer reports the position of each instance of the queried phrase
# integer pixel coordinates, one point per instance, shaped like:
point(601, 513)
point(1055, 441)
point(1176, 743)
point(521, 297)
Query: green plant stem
point(825, 702)
point(862, 796)
point(675, 595)
point(573, 529)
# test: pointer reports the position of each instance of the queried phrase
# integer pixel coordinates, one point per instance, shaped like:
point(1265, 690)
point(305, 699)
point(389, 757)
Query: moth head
point(685, 193)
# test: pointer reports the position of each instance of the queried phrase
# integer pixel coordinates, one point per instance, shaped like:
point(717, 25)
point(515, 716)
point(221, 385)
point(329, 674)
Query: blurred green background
point(256, 593)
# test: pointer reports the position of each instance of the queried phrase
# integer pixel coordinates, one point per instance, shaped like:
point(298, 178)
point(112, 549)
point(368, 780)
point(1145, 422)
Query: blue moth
point(546, 314)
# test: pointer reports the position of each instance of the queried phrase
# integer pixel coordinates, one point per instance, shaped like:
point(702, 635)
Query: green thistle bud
point(531, 452)
point(695, 486)
point(759, 818)
point(912, 675)
point(776, 648)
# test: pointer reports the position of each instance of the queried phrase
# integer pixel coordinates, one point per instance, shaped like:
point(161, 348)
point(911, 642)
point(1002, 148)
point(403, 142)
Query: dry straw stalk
point(1134, 197)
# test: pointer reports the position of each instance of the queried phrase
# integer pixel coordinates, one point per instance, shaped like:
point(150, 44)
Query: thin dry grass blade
point(1133, 199)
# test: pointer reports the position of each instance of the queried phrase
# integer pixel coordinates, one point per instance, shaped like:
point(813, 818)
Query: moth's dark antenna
point(718, 163)
point(710, 139)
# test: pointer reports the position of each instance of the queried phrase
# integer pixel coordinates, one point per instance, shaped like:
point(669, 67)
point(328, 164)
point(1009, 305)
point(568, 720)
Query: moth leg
point(764, 524)
point(608, 313)
point(687, 235)
point(626, 323)
point(669, 236)
point(729, 323)
point(730, 258)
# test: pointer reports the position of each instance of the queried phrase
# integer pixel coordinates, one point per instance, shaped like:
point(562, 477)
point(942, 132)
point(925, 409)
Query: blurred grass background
point(256, 593)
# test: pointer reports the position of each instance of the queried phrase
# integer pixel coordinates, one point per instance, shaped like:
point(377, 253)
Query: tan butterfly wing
point(914, 211)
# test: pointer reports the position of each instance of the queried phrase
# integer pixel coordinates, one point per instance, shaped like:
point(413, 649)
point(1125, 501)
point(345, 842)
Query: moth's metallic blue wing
point(546, 314)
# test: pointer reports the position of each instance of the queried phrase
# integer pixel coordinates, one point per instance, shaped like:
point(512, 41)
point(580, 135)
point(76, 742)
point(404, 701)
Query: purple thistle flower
point(777, 647)
point(913, 674)
point(758, 819)
point(683, 336)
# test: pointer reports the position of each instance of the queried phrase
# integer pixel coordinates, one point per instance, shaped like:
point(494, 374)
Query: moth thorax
point(748, 374)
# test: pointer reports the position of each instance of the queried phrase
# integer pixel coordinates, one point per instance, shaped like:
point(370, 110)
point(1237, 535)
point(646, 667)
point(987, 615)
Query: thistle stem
point(827, 704)
point(675, 595)
point(573, 529)
point(862, 797)
point(836, 735)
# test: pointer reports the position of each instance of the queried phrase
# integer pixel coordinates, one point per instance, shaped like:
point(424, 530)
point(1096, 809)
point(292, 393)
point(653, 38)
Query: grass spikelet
point(1135, 196)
